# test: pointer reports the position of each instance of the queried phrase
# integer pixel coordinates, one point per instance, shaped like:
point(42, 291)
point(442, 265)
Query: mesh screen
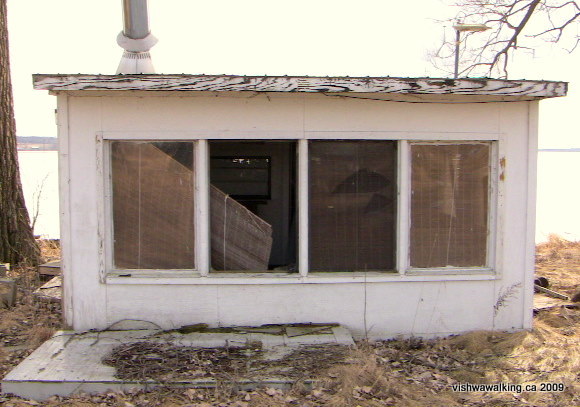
point(352, 205)
point(449, 205)
point(153, 205)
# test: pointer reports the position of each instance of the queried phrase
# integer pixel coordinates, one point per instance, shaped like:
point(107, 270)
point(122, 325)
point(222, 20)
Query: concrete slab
point(51, 291)
point(70, 363)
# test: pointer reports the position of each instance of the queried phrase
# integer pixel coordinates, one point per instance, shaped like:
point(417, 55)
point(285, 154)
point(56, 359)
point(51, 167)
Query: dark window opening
point(252, 205)
point(243, 177)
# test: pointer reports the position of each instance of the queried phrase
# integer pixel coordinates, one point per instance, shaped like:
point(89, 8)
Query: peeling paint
point(500, 88)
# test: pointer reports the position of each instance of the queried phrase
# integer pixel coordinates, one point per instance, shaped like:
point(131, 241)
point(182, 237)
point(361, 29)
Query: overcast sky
point(256, 37)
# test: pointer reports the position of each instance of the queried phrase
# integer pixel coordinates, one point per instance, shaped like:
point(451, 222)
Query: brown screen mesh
point(352, 205)
point(449, 205)
point(153, 205)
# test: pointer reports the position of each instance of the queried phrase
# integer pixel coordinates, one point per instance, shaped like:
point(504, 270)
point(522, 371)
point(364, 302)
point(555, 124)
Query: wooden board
point(240, 240)
point(52, 268)
point(542, 301)
point(153, 205)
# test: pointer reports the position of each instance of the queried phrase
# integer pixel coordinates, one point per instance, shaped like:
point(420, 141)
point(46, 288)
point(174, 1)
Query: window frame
point(395, 224)
point(200, 210)
point(403, 272)
point(492, 221)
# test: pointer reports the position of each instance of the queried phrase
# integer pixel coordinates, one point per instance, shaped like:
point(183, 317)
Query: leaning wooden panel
point(125, 182)
point(240, 240)
point(153, 205)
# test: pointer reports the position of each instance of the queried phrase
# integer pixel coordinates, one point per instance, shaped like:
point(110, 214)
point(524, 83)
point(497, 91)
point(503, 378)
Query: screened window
point(252, 217)
point(352, 205)
point(152, 185)
point(449, 204)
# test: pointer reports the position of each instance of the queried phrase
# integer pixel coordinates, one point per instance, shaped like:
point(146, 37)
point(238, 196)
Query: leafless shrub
point(36, 197)
point(504, 296)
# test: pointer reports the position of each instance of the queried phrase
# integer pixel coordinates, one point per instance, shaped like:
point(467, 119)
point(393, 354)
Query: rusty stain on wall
point(502, 169)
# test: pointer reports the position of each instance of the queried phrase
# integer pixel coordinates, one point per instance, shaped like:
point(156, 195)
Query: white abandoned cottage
point(389, 205)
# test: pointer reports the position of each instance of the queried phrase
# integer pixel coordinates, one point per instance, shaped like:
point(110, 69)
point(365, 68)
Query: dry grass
point(393, 373)
point(558, 260)
point(547, 354)
point(27, 325)
point(49, 249)
point(369, 382)
point(40, 334)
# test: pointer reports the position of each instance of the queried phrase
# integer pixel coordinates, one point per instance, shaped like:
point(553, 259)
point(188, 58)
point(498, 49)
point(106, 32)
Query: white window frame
point(305, 238)
point(200, 205)
point(201, 273)
point(492, 225)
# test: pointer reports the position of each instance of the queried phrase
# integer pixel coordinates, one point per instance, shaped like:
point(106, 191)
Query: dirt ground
point(411, 372)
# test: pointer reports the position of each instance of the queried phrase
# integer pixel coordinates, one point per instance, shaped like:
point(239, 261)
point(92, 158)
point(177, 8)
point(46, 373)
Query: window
point(152, 185)
point(352, 205)
point(449, 205)
point(249, 195)
point(252, 205)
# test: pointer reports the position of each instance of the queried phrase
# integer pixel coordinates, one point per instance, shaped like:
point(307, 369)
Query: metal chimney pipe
point(135, 19)
point(135, 39)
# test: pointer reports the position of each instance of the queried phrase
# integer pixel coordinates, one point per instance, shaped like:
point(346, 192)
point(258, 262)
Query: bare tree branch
point(515, 25)
point(560, 28)
point(514, 39)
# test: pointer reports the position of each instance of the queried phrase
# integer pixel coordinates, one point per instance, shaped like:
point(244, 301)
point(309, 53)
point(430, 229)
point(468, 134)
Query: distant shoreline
point(29, 148)
point(37, 143)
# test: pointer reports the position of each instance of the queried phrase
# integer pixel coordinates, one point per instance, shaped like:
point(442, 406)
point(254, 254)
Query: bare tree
point(17, 244)
point(514, 25)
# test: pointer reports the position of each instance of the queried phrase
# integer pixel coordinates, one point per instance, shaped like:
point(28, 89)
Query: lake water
point(558, 201)
point(39, 175)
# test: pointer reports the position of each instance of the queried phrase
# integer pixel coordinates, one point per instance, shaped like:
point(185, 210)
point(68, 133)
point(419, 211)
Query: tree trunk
point(17, 244)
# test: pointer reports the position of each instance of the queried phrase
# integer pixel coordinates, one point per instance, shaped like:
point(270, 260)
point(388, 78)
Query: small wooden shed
point(393, 206)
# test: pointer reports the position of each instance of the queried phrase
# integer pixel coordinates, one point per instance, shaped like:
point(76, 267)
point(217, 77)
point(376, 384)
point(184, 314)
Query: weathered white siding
point(390, 304)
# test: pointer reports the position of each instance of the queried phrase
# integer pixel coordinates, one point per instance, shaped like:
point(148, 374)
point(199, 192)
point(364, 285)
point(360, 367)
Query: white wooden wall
point(391, 304)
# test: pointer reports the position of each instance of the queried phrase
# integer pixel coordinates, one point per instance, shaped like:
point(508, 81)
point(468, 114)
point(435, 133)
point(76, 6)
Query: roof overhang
point(499, 89)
